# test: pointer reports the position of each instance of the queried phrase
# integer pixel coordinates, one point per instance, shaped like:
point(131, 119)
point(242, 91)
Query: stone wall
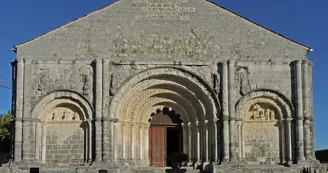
point(66, 145)
point(192, 30)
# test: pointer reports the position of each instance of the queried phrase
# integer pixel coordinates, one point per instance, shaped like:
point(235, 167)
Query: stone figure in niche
point(42, 76)
point(86, 74)
point(216, 83)
point(243, 80)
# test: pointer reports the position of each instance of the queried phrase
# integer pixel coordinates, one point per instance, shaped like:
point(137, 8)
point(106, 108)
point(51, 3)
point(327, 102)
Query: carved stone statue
point(216, 83)
point(243, 80)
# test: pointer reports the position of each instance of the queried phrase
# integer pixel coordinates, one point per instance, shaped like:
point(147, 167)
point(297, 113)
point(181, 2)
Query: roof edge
point(115, 1)
point(274, 32)
point(59, 27)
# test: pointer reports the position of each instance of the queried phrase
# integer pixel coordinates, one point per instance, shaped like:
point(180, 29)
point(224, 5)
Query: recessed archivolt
point(182, 109)
point(59, 98)
point(281, 104)
point(167, 87)
point(185, 100)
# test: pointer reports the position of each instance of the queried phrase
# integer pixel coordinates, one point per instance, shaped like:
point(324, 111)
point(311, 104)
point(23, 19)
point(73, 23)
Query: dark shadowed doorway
point(165, 136)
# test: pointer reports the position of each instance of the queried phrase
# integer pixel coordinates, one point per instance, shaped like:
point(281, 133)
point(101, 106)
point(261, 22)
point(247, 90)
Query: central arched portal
point(168, 108)
point(165, 136)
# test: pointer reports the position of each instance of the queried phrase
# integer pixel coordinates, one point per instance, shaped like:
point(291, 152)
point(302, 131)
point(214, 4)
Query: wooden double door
point(163, 142)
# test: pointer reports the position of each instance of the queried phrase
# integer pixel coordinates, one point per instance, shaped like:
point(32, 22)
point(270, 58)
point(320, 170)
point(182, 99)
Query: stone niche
point(262, 133)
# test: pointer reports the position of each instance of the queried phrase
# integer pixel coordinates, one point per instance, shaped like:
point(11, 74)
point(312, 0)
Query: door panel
point(157, 146)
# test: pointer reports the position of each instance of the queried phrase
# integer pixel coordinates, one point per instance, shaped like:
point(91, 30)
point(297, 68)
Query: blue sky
point(303, 21)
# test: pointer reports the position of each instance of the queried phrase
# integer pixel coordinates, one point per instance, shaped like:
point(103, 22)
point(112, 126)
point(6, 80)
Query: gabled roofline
point(274, 32)
point(304, 46)
point(68, 23)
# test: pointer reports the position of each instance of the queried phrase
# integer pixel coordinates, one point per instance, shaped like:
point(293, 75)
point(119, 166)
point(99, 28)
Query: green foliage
point(5, 126)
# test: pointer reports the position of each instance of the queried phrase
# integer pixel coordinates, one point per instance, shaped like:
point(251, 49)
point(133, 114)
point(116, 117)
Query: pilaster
point(231, 105)
point(225, 111)
point(98, 111)
point(299, 114)
point(306, 109)
point(105, 106)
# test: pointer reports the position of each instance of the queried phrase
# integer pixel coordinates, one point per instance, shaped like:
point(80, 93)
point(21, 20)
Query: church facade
point(127, 86)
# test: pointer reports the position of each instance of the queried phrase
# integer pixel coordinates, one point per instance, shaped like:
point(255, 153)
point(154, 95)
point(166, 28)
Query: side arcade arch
point(264, 128)
point(175, 89)
point(64, 128)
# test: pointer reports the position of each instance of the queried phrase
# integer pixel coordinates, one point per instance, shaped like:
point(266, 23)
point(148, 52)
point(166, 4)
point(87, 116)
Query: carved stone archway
point(264, 128)
point(64, 129)
point(154, 89)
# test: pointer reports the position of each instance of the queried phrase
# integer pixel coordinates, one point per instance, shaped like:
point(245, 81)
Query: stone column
point(197, 130)
point(37, 141)
point(207, 142)
point(238, 138)
point(115, 140)
point(289, 141)
point(26, 119)
point(299, 114)
point(105, 106)
point(231, 105)
point(123, 141)
point(190, 141)
point(141, 135)
point(185, 138)
point(98, 110)
point(306, 109)
point(26, 137)
point(146, 148)
point(311, 110)
point(225, 115)
point(215, 141)
point(44, 143)
point(90, 140)
point(106, 127)
point(18, 114)
point(132, 137)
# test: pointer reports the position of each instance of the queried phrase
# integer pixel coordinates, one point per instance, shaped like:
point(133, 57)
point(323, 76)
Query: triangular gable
point(116, 1)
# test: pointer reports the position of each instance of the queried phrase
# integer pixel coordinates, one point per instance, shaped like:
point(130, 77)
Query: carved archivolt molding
point(167, 87)
point(62, 99)
point(263, 101)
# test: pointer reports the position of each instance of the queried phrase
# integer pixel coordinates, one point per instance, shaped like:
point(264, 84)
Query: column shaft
point(215, 141)
point(37, 141)
point(225, 112)
point(105, 107)
point(197, 127)
point(231, 105)
point(123, 141)
point(289, 141)
point(44, 143)
point(299, 113)
point(98, 127)
point(207, 142)
point(132, 137)
point(18, 113)
point(141, 142)
point(185, 138)
point(190, 132)
point(306, 109)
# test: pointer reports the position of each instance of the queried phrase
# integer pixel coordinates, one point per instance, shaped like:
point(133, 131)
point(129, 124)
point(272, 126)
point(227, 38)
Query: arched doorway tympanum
point(165, 136)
